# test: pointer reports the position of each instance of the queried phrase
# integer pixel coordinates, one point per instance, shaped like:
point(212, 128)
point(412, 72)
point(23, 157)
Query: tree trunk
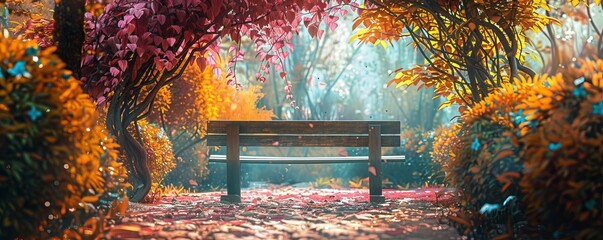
point(69, 32)
point(134, 153)
point(137, 160)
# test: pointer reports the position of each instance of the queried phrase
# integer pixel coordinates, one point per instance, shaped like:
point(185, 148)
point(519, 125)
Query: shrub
point(445, 140)
point(159, 151)
point(562, 144)
point(417, 144)
point(55, 158)
point(485, 166)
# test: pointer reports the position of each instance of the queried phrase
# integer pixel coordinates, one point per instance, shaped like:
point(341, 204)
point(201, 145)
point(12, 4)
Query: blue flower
point(554, 146)
point(579, 91)
point(1, 75)
point(18, 69)
point(32, 51)
point(34, 113)
point(66, 76)
point(518, 117)
point(475, 145)
point(598, 108)
point(488, 208)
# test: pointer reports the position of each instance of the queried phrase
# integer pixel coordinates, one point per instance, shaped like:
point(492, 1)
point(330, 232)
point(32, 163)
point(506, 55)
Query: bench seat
point(304, 160)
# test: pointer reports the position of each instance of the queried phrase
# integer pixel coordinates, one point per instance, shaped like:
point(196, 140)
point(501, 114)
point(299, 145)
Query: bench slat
point(306, 141)
point(304, 160)
point(304, 127)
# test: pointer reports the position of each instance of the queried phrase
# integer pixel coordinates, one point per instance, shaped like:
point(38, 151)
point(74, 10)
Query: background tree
point(579, 36)
point(69, 32)
point(469, 46)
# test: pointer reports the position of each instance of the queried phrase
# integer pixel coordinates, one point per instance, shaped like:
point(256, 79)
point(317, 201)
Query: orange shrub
point(56, 159)
point(562, 144)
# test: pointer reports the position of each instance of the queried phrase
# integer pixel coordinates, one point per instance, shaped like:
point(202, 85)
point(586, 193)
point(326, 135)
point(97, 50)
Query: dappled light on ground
point(288, 213)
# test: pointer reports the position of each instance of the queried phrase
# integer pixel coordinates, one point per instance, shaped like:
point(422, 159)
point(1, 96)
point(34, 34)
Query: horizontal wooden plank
point(305, 160)
point(304, 127)
point(304, 141)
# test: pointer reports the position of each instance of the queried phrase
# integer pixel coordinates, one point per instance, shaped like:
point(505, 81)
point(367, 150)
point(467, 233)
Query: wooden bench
point(235, 134)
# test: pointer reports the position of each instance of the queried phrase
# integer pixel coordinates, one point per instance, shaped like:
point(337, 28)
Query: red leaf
point(343, 152)
point(133, 38)
point(201, 63)
point(171, 41)
point(161, 19)
point(313, 30)
point(372, 170)
point(123, 64)
point(320, 33)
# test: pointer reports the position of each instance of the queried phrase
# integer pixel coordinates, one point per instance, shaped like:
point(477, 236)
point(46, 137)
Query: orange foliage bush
point(562, 144)
point(159, 151)
point(56, 159)
point(485, 166)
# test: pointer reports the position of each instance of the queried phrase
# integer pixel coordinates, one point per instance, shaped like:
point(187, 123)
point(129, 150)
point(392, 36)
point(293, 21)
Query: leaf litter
point(287, 213)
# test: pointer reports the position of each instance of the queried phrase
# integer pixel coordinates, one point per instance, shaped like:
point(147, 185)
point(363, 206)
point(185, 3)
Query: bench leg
point(233, 166)
point(375, 178)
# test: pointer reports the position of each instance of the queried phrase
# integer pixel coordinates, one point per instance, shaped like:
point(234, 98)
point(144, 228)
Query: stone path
point(287, 213)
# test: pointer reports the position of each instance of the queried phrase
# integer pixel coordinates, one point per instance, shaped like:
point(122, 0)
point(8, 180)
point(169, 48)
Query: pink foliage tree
point(138, 46)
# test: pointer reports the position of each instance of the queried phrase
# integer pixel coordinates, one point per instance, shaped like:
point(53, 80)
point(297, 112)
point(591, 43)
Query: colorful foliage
point(185, 106)
point(562, 141)
point(145, 45)
point(159, 150)
point(29, 19)
point(538, 141)
point(56, 159)
point(417, 144)
point(470, 47)
point(445, 142)
point(486, 166)
point(163, 37)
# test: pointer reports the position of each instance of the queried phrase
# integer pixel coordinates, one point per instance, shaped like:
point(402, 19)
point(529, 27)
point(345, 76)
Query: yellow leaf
point(444, 105)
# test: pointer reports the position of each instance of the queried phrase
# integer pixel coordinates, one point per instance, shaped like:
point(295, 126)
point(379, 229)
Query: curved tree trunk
point(134, 152)
point(69, 32)
point(137, 158)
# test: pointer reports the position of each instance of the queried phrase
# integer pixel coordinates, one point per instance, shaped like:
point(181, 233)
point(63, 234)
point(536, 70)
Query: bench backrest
point(303, 133)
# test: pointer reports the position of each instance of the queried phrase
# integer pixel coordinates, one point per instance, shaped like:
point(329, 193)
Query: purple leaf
point(161, 19)
point(114, 71)
point(123, 64)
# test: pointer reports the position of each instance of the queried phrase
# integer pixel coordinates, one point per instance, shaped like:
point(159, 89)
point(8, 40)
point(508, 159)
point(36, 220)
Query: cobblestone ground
point(287, 213)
